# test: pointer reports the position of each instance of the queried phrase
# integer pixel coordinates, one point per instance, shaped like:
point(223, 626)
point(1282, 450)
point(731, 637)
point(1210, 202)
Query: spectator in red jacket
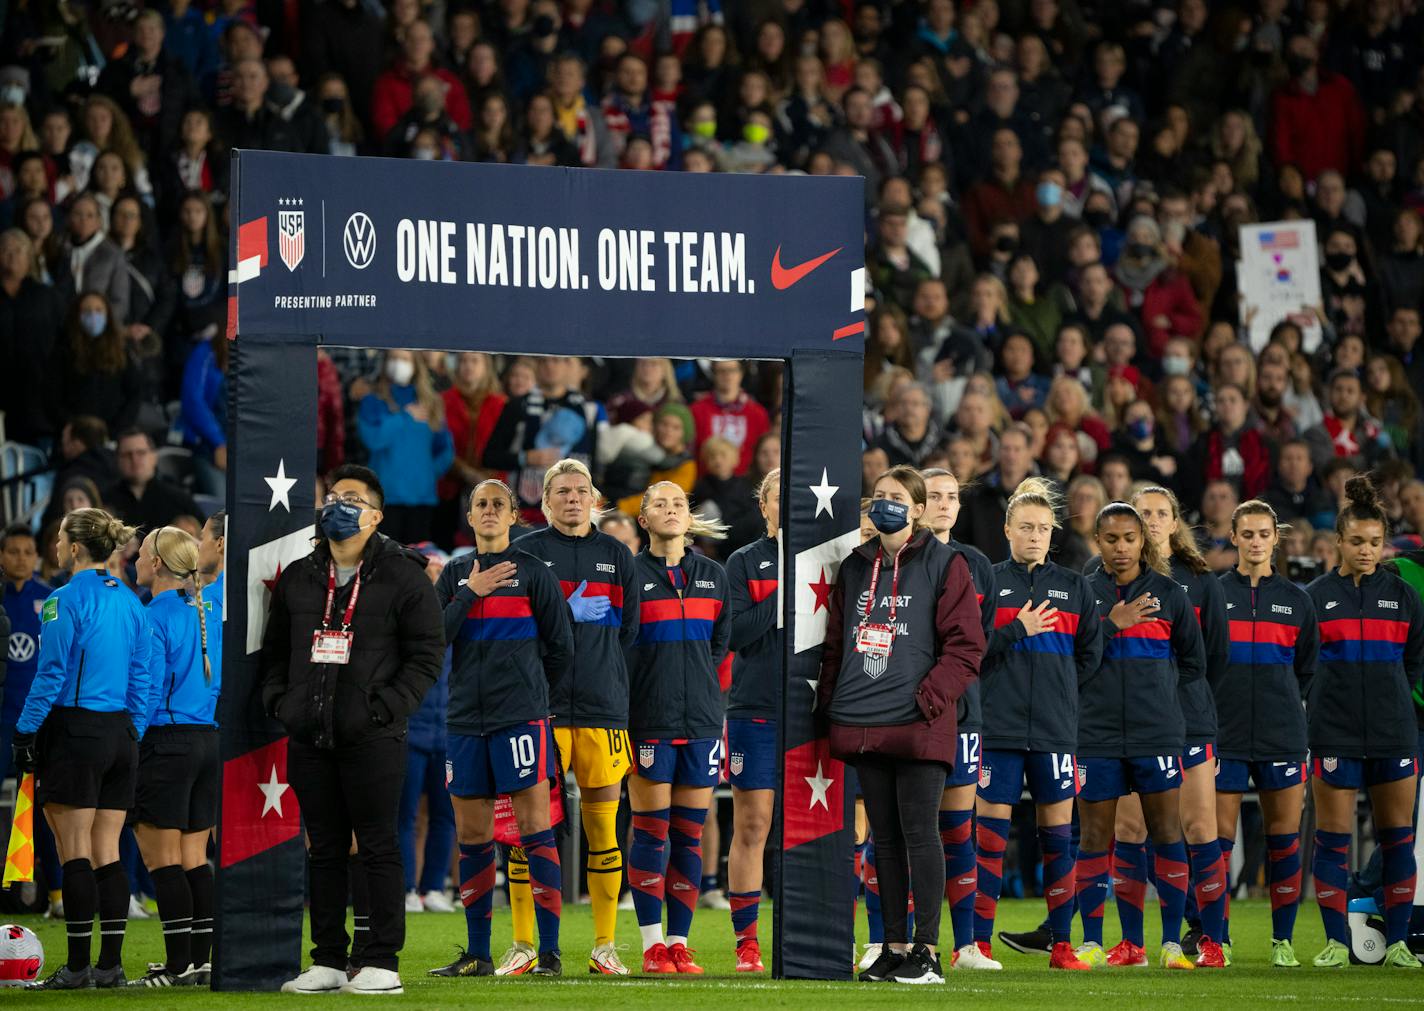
point(1317, 122)
point(1154, 289)
point(1232, 450)
point(730, 413)
point(1006, 195)
point(330, 415)
point(394, 90)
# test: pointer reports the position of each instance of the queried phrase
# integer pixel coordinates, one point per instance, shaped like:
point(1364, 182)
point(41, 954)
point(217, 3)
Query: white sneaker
point(136, 910)
point(55, 911)
point(872, 954)
point(715, 899)
point(317, 979)
point(413, 903)
point(626, 902)
point(518, 960)
point(970, 957)
point(436, 902)
point(371, 980)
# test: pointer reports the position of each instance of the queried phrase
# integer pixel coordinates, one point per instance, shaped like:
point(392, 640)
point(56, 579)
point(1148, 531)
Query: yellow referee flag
point(20, 855)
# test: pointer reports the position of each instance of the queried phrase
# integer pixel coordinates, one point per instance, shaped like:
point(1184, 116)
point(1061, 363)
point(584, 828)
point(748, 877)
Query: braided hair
point(177, 551)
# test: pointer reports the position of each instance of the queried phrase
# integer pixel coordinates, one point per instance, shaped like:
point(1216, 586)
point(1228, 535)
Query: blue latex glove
point(587, 609)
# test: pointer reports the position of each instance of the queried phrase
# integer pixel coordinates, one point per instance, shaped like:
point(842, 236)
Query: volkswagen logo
point(359, 240)
point(21, 648)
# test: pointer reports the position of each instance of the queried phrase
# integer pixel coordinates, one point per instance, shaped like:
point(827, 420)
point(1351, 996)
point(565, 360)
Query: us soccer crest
point(738, 763)
point(873, 665)
point(291, 234)
point(646, 753)
point(986, 775)
point(1330, 764)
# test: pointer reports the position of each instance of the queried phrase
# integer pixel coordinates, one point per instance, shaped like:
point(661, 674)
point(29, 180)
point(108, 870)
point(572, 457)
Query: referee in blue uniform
point(79, 734)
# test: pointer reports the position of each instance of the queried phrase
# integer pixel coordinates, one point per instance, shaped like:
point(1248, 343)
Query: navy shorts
point(680, 762)
point(506, 761)
point(1198, 754)
point(1110, 778)
point(1358, 773)
point(1052, 776)
point(1232, 775)
point(967, 768)
point(751, 747)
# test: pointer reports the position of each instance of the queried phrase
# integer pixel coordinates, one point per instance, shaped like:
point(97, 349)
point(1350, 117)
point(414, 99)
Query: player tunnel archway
point(383, 253)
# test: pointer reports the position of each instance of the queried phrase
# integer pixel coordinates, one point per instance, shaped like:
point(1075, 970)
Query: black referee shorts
point(87, 759)
point(178, 778)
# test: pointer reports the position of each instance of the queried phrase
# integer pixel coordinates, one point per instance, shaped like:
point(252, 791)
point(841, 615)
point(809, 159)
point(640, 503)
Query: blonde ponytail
point(179, 556)
point(700, 526)
point(97, 532)
point(1036, 491)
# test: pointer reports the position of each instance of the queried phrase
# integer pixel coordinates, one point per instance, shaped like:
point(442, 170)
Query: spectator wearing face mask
point(427, 131)
point(395, 90)
point(1317, 121)
point(1154, 289)
point(94, 373)
point(402, 424)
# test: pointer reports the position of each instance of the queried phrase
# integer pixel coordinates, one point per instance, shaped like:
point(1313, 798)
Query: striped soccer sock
point(477, 895)
point(646, 861)
point(1284, 871)
point(81, 898)
point(1092, 878)
point(993, 835)
point(1227, 845)
point(684, 876)
point(745, 908)
point(1399, 878)
point(961, 873)
point(175, 910)
point(546, 882)
point(1209, 886)
point(874, 922)
point(1332, 882)
point(200, 885)
point(1129, 880)
point(112, 884)
point(1055, 843)
point(1170, 864)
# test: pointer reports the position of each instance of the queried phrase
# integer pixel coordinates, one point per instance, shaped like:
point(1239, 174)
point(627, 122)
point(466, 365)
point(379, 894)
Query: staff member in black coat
point(354, 641)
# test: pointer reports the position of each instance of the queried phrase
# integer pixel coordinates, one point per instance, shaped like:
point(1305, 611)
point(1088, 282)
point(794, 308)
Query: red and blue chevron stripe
point(1363, 640)
point(1263, 642)
point(688, 620)
point(613, 617)
point(1058, 642)
point(760, 589)
point(1151, 640)
point(501, 619)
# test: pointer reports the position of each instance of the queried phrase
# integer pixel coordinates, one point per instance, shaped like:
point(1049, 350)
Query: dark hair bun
point(1361, 492)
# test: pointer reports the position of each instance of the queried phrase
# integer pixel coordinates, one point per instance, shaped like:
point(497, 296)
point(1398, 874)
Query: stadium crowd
point(1054, 196)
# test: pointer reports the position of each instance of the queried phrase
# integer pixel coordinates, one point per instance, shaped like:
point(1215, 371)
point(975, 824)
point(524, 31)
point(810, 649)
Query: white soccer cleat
point(971, 957)
point(437, 902)
point(371, 980)
point(715, 899)
point(412, 903)
point(604, 961)
point(518, 960)
point(872, 954)
point(136, 910)
point(317, 979)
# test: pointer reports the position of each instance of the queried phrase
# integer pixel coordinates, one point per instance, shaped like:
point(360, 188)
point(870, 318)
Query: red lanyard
point(875, 581)
point(331, 597)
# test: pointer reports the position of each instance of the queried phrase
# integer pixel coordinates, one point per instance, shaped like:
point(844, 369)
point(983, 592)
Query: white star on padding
point(281, 486)
point(819, 784)
point(824, 492)
point(272, 792)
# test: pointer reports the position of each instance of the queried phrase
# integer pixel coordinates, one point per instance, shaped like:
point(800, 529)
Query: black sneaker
point(919, 966)
point(883, 966)
point(65, 978)
point(549, 964)
point(1189, 941)
point(108, 979)
point(465, 964)
point(159, 976)
point(1039, 940)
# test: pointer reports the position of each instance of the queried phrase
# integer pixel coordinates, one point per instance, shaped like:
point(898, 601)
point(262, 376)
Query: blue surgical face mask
point(888, 515)
point(1049, 194)
point(1175, 365)
point(93, 322)
point(1140, 430)
point(341, 521)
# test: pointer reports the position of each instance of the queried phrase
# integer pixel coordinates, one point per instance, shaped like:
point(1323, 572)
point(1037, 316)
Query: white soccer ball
point(21, 955)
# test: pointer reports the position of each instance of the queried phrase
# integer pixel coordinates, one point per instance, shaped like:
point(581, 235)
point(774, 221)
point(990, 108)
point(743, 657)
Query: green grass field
point(1025, 981)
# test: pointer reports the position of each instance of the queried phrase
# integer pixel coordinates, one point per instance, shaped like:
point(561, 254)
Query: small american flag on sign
point(1271, 241)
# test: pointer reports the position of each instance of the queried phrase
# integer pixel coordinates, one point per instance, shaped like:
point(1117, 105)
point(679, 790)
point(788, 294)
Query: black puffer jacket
point(397, 647)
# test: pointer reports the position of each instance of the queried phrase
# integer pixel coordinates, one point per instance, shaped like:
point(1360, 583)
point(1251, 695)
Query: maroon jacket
point(941, 629)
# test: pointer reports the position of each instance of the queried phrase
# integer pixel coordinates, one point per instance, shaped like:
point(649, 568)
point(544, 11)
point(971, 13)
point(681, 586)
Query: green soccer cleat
point(1093, 954)
point(1335, 956)
point(1283, 955)
point(1226, 953)
point(1400, 957)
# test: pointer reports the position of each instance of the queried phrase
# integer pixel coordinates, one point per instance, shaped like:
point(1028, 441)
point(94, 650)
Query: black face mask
point(1006, 244)
point(544, 26)
point(1096, 219)
point(332, 106)
point(1297, 65)
point(1141, 250)
point(1338, 261)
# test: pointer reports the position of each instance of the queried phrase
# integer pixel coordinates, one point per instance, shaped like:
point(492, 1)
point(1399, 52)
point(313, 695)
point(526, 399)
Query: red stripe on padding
point(849, 330)
point(760, 589)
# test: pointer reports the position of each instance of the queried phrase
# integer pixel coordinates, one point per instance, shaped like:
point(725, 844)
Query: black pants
point(345, 790)
point(902, 803)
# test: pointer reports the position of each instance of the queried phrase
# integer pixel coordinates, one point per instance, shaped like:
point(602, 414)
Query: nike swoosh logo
point(784, 277)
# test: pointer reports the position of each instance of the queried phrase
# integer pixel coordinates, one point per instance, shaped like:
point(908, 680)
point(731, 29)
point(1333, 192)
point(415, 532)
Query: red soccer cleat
point(1126, 955)
point(658, 962)
point(1064, 957)
point(749, 957)
point(682, 961)
point(1210, 955)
